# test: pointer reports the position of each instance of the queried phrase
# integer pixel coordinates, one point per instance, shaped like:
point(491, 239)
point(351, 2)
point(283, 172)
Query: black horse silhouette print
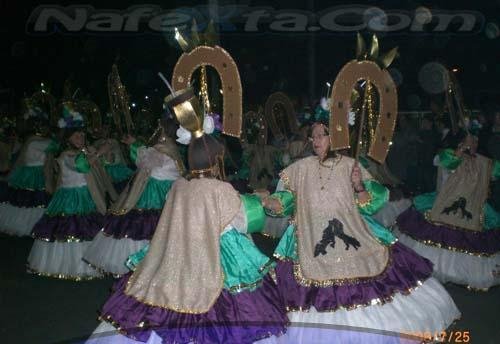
point(335, 229)
point(459, 204)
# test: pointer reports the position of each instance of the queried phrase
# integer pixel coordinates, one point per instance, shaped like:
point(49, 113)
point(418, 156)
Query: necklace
point(334, 162)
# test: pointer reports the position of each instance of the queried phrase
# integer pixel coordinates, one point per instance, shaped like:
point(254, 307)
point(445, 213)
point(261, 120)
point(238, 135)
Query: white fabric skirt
point(109, 254)
point(389, 213)
point(105, 333)
point(427, 309)
point(61, 260)
point(457, 267)
point(17, 220)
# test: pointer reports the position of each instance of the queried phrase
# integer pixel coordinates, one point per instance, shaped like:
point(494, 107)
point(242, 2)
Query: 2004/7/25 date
point(443, 336)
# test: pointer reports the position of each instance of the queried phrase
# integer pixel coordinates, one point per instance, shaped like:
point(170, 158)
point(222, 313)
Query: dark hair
point(204, 153)
point(453, 140)
point(66, 133)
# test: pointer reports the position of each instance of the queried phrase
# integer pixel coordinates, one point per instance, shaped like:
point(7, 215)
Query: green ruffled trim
point(71, 201)
point(134, 259)
point(118, 172)
point(242, 262)
point(254, 212)
point(287, 247)
point(134, 147)
point(379, 195)
point(81, 163)
point(27, 178)
point(54, 147)
point(496, 169)
point(382, 234)
point(424, 202)
point(449, 160)
point(491, 218)
point(287, 201)
point(154, 194)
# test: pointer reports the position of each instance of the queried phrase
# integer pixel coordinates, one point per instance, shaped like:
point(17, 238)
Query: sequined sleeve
point(379, 195)
point(134, 147)
point(449, 160)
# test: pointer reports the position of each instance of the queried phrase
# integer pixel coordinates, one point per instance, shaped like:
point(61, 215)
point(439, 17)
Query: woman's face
point(77, 139)
point(320, 141)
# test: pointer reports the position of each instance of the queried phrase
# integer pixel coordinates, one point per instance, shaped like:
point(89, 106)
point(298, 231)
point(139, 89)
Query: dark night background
point(267, 61)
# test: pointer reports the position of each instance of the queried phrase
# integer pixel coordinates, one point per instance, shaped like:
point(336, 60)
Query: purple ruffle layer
point(234, 318)
point(26, 198)
point(414, 224)
point(68, 228)
point(404, 272)
point(135, 225)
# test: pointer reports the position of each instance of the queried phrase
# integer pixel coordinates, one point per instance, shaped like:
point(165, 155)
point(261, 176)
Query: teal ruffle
point(154, 194)
point(243, 264)
point(254, 213)
point(448, 159)
point(287, 247)
point(134, 259)
point(71, 201)
point(379, 196)
point(425, 202)
point(27, 178)
point(118, 172)
point(82, 164)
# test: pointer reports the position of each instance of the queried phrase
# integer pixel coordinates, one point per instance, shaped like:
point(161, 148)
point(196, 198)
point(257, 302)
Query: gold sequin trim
point(450, 248)
point(372, 302)
point(62, 276)
point(101, 270)
point(307, 282)
point(68, 239)
point(365, 203)
point(34, 207)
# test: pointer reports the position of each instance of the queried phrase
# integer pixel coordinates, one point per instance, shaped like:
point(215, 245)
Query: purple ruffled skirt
point(405, 271)
point(413, 223)
point(135, 225)
point(68, 228)
point(234, 318)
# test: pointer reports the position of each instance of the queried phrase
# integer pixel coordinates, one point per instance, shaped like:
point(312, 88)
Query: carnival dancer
point(455, 227)
point(74, 215)
point(337, 265)
point(131, 221)
point(202, 279)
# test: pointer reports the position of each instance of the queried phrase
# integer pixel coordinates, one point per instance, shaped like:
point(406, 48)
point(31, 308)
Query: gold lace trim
point(62, 276)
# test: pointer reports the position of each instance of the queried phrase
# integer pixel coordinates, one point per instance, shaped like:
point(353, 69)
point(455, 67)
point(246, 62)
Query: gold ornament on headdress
point(375, 128)
point(187, 110)
point(255, 118)
point(201, 51)
point(455, 104)
point(119, 101)
point(91, 114)
point(280, 114)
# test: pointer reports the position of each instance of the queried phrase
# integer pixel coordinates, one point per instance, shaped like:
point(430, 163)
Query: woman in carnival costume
point(75, 213)
point(338, 266)
point(455, 227)
point(202, 279)
point(131, 221)
point(30, 181)
point(114, 160)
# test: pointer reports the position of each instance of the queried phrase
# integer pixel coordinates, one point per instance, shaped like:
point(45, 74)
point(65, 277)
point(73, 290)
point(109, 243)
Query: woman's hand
point(272, 204)
point(128, 139)
point(356, 180)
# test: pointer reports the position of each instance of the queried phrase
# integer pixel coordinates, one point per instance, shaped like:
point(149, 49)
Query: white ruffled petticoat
point(19, 221)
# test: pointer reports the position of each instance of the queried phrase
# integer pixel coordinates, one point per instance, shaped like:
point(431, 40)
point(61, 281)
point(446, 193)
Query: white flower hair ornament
point(70, 119)
point(184, 135)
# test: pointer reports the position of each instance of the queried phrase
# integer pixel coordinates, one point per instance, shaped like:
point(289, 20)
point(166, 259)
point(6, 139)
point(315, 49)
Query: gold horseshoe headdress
point(280, 114)
point(201, 51)
point(371, 68)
